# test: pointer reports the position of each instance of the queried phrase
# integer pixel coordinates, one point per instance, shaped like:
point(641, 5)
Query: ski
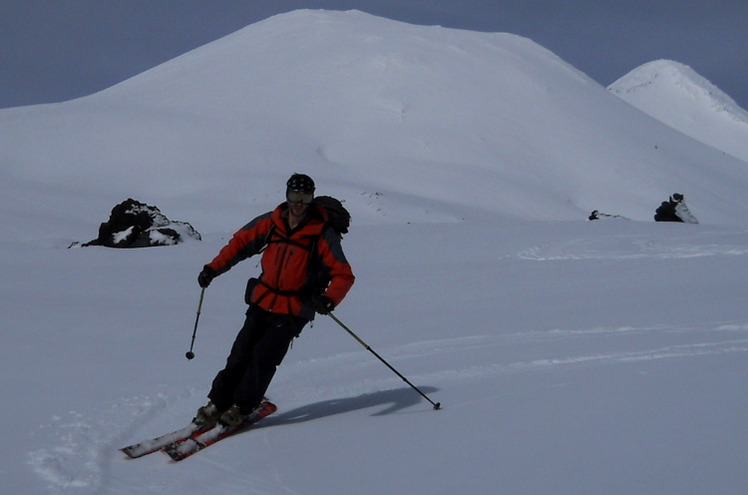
point(181, 450)
point(152, 445)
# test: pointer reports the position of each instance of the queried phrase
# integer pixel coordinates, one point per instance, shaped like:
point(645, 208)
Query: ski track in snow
point(545, 364)
point(84, 447)
point(504, 343)
point(626, 247)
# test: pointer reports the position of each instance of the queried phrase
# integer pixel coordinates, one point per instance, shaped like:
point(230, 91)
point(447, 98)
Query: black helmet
point(677, 197)
point(301, 183)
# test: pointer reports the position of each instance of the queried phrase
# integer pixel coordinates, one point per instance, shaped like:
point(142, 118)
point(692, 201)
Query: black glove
point(323, 305)
point(206, 276)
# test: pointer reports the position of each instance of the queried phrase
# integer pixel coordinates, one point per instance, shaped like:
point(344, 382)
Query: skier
point(304, 270)
point(674, 210)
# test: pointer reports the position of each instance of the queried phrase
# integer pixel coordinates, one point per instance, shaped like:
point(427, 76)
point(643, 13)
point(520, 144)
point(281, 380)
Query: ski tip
point(131, 454)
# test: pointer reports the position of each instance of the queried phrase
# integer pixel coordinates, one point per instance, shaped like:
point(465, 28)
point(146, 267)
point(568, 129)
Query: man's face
point(298, 202)
point(298, 209)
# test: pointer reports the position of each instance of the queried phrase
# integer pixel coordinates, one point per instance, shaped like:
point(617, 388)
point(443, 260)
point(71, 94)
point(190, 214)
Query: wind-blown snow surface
point(570, 357)
point(679, 97)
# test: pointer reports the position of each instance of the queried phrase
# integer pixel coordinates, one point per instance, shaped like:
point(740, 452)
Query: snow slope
point(570, 357)
point(679, 97)
point(388, 113)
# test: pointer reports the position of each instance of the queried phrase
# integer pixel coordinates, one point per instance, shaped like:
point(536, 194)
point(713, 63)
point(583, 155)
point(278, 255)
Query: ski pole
point(189, 354)
point(437, 405)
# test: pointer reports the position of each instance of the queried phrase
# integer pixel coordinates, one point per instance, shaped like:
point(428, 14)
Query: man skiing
point(304, 270)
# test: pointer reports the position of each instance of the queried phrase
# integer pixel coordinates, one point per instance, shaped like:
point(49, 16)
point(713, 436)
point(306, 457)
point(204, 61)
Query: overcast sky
point(56, 50)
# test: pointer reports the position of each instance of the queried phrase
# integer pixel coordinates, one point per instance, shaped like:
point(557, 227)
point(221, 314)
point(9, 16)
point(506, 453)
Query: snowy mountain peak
point(668, 76)
point(406, 123)
point(678, 96)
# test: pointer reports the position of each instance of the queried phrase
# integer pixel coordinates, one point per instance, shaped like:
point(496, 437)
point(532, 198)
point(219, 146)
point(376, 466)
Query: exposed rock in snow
point(133, 224)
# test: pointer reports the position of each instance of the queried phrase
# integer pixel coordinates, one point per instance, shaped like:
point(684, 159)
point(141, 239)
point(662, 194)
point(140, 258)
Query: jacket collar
point(312, 224)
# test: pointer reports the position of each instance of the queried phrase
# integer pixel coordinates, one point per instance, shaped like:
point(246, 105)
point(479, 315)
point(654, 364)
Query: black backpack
point(338, 217)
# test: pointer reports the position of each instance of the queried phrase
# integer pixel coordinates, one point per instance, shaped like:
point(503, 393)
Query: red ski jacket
point(296, 264)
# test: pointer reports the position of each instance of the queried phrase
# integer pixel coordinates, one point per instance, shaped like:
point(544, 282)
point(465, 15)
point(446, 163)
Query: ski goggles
point(298, 197)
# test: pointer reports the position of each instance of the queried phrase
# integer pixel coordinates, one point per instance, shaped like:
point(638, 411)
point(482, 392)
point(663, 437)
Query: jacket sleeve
point(246, 242)
point(335, 266)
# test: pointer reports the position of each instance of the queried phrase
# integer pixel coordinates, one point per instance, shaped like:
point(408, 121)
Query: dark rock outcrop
point(133, 224)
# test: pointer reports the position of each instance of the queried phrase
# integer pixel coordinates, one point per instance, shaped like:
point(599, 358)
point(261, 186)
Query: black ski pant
point(259, 348)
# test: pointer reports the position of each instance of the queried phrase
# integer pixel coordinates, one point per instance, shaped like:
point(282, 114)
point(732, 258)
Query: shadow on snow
point(395, 400)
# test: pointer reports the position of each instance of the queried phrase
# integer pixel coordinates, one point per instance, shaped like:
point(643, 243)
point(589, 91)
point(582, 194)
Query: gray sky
point(56, 50)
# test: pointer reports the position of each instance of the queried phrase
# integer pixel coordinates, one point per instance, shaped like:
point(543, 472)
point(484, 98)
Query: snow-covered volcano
point(390, 116)
point(679, 97)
